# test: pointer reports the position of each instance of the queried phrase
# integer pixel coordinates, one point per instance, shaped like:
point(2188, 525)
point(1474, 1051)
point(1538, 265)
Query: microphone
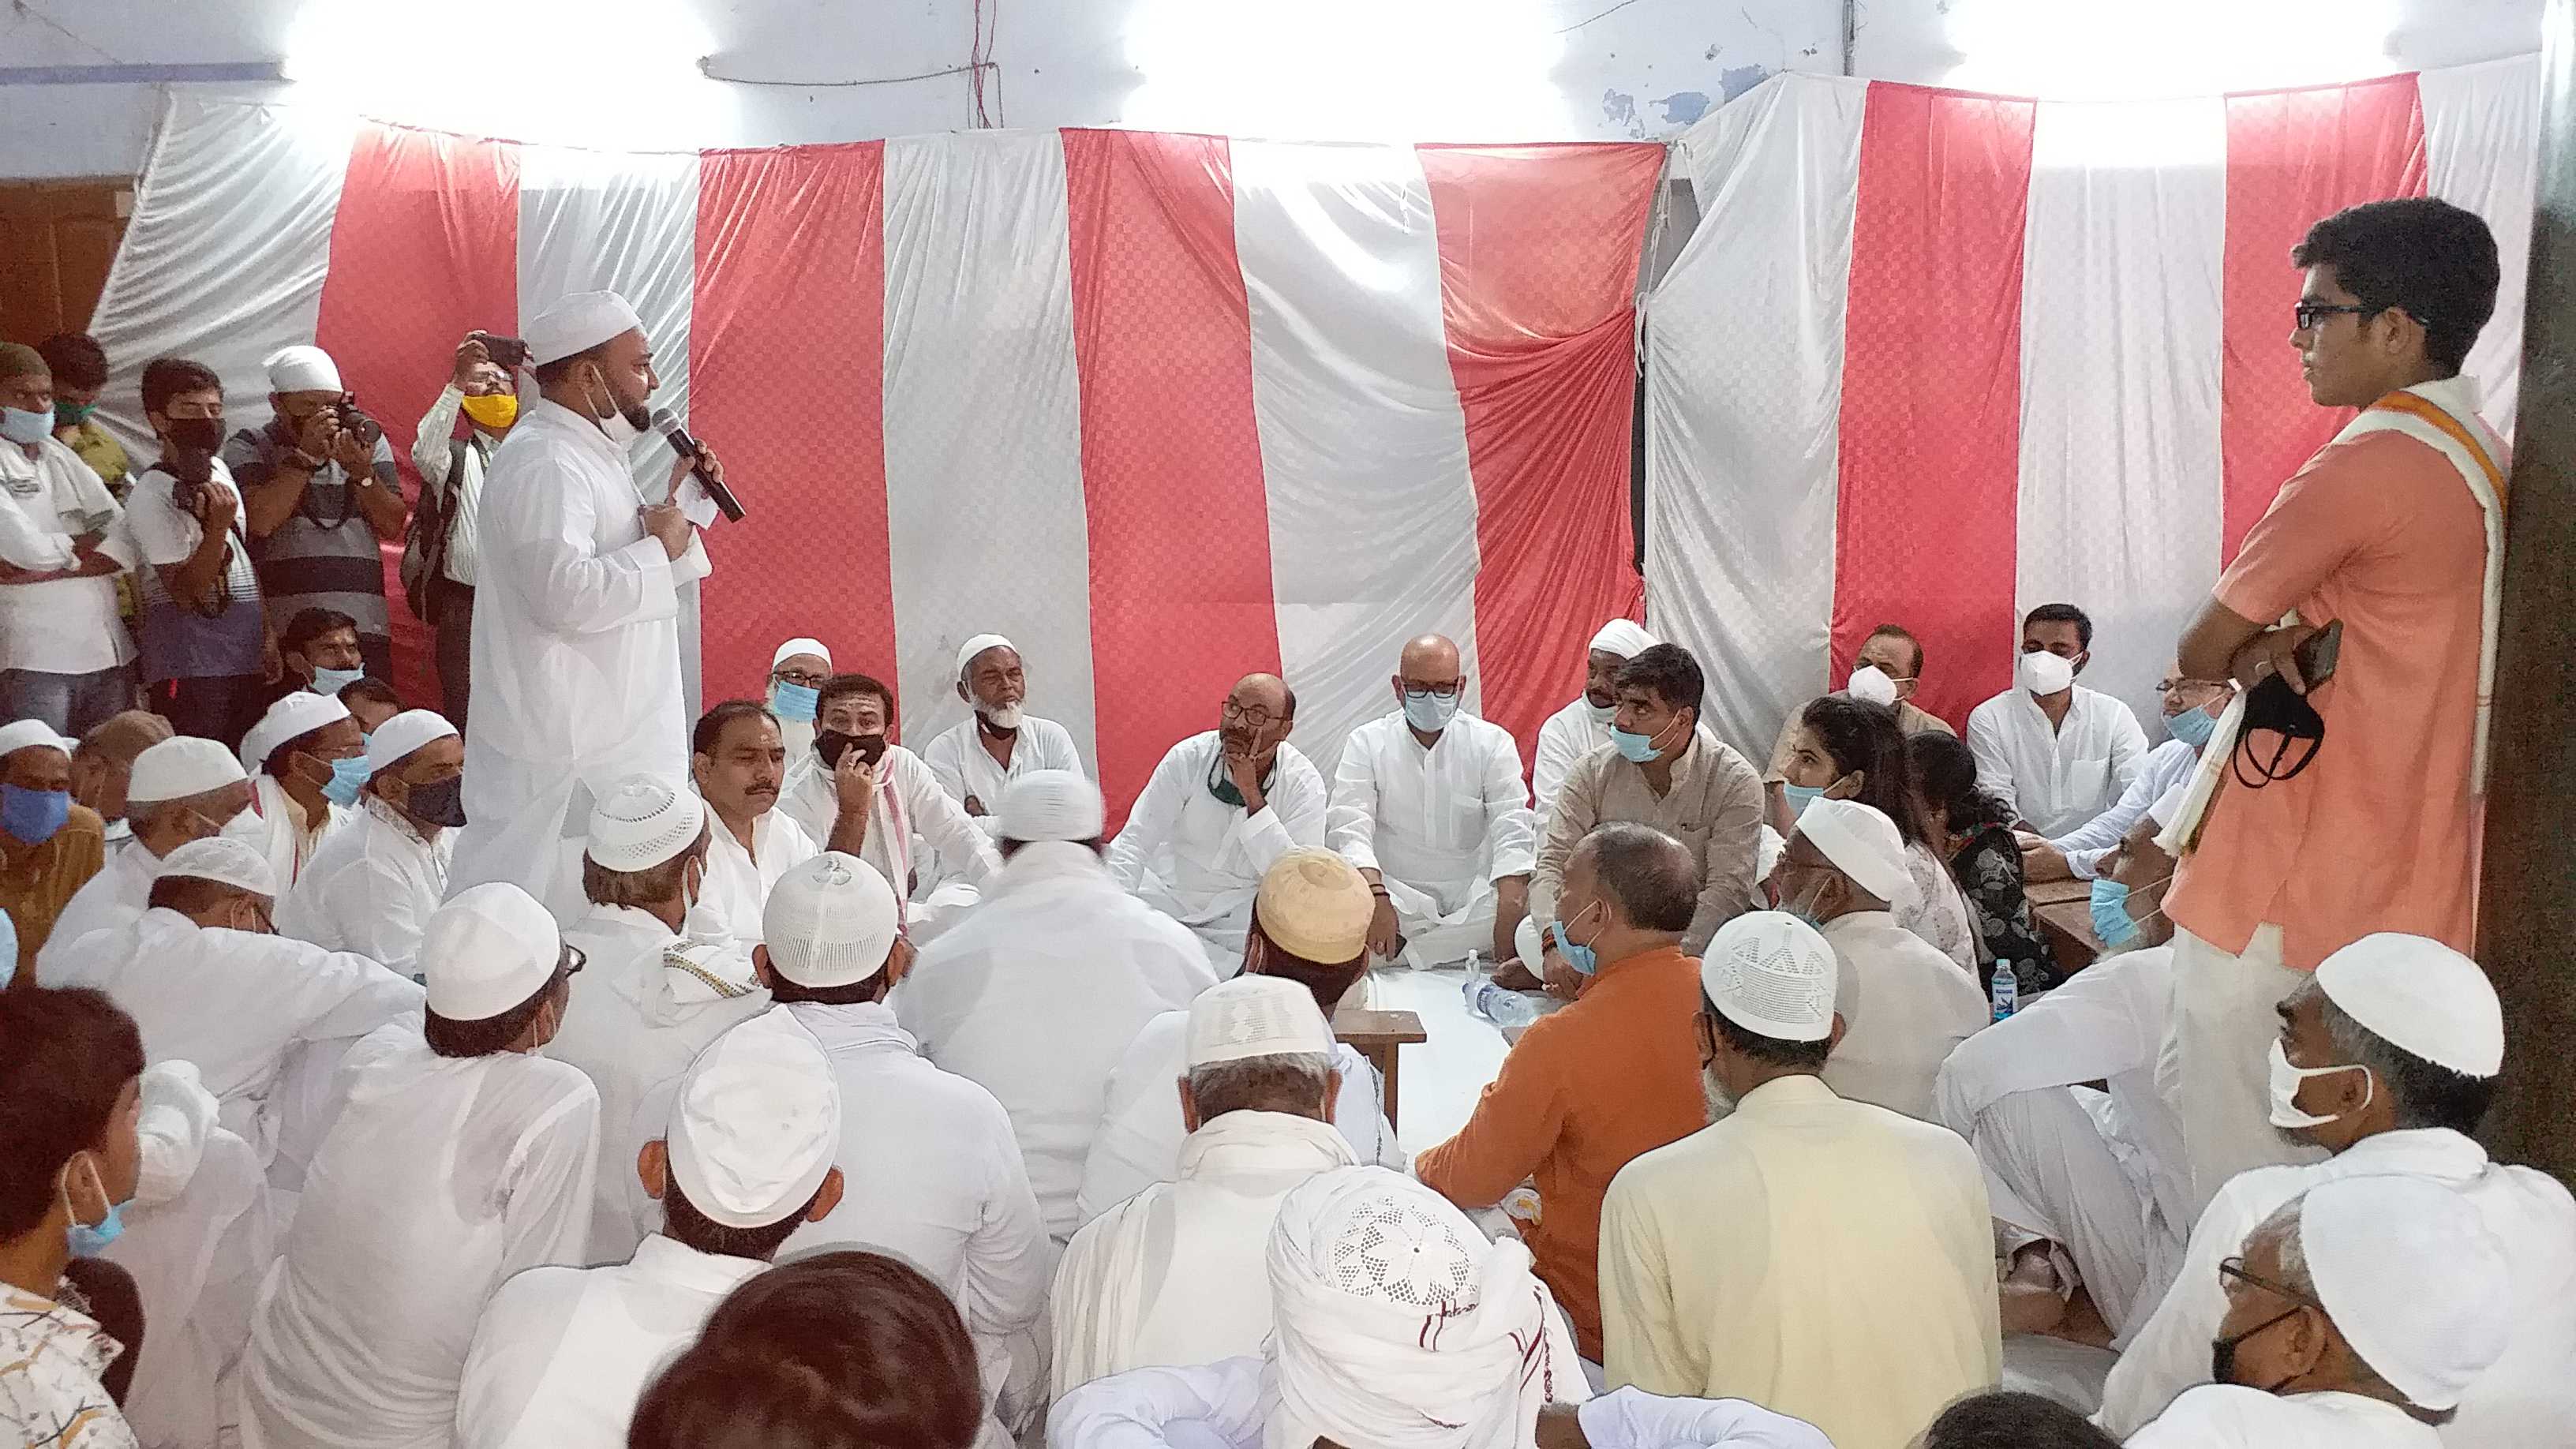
point(687, 447)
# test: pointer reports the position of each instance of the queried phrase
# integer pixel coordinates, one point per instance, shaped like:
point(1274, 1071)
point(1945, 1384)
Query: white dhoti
point(1441, 922)
point(2214, 1064)
point(2054, 1167)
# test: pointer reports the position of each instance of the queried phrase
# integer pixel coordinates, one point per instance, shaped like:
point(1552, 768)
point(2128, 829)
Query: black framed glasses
point(2309, 314)
point(2234, 1270)
point(1255, 716)
point(804, 678)
point(571, 960)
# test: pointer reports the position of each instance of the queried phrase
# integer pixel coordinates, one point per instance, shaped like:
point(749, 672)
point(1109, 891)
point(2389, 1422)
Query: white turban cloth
point(1399, 1326)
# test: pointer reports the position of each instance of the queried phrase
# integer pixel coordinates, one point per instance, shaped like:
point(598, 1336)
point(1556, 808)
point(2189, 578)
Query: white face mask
point(619, 428)
point(1871, 683)
point(2044, 673)
point(2285, 1088)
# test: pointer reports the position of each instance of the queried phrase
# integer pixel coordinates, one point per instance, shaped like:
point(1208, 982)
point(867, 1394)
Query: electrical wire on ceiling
point(984, 74)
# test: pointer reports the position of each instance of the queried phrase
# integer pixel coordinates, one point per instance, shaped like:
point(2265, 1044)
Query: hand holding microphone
point(701, 461)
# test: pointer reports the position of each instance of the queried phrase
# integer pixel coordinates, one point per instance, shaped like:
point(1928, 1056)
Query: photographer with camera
point(207, 655)
point(438, 554)
point(319, 494)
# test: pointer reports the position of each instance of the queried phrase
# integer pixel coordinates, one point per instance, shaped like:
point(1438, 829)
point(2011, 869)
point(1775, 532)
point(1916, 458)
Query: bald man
point(1428, 803)
point(1220, 808)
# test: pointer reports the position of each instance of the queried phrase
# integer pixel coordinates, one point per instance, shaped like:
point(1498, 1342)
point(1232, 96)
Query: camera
point(352, 420)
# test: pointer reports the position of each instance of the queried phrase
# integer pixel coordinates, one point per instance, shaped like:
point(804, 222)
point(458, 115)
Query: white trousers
point(2050, 1171)
point(2214, 1068)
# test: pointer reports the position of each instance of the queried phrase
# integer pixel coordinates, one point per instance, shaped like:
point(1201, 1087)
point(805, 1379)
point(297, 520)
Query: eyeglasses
point(2234, 1270)
point(1255, 715)
point(2309, 314)
point(572, 959)
point(1436, 691)
point(805, 678)
point(2169, 685)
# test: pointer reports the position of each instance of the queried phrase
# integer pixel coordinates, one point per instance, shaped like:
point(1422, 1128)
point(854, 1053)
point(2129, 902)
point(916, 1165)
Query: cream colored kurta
point(1714, 808)
point(1853, 1282)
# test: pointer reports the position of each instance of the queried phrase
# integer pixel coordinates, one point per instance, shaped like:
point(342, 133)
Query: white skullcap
point(2420, 997)
point(644, 822)
point(756, 1124)
point(1255, 1016)
point(1624, 638)
point(794, 647)
point(295, 714)
point(27, 734)
point(2410, 1274)
point(1051, 805)
point(402, 734)
point(1316, 905)
point(302, 369)
point(2168, 805)
point(1773, 975)
point(578, 323)
point(1862, 843)
point(181, 766)
point(967, 651)
point(486, 951)
point(223, 860)
point(830, 922)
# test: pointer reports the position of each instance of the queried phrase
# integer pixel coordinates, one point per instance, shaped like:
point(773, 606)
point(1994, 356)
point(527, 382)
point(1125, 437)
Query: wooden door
point(56, 241)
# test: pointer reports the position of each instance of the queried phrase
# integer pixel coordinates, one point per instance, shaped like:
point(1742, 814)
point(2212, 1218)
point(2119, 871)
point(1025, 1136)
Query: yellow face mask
point(493, 410)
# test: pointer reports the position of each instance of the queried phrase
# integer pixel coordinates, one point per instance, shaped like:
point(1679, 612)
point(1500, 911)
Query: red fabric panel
point(1173, 498)
point(786, 380)
point(1930, 451)
point(424, 249)
point(2293, 157)
point(1539, 248)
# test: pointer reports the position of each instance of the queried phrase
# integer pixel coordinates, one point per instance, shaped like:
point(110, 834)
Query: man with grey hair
point(2386, 1058)
point(182, 789)
point(1173, 1276)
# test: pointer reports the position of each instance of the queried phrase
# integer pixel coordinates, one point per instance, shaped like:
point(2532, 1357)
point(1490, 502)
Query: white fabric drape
point(2481, 144)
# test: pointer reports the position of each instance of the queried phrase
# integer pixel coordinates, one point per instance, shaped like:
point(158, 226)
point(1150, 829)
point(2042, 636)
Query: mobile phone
point(2316, 658)
point(508, 352)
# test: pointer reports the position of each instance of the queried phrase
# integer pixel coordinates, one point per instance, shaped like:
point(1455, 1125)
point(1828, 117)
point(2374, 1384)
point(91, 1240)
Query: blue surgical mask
point(1583, 959)
point(347, 778)
point(332, 681)
point(21, 426)
point(1801, 796)
point(33, 815)
point(794, 702)
point(88, 1240)
point(2111, 912)
point(1428, 712)
point(2193, 727)
point(1636, 749)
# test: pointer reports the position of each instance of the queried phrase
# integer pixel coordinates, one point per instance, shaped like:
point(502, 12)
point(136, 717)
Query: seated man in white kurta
point(1584, 724)
point(999, 741)
point(918, 838)
point(1428, 803)
point(738, 761)
point(373, 884)
point(1220, 809)
point(2056, 753)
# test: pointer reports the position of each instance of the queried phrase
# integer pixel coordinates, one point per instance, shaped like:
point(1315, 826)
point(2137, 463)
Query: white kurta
point(2055, 779)
point(1938, 913)
point(1440, 825)
point(910, 812)
point(562, 1354)
point(111, 898)
point(638, 1017)
point(2165, 766)
point(2102, 1175)
point(288, 845)
point(1569, 735)
point(1037, 994)
point(964, 767)
point(1191, 855)
point(2527, 1398)
point(1904, 1007)
point(2232, 1416)
point(370, 888)
point(1141, 1132)
point(442, 1177)
point(738, 880)
point(1176, 1275)
point(576, 654)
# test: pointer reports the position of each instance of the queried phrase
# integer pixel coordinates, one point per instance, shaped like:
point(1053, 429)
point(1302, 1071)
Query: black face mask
point(442, 803)
point(2274, 708)
point(829, 745)
point(2222, 1354)
point(195, 435)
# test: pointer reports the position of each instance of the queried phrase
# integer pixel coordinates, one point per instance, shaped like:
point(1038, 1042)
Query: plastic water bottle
point(1504, 1008)
point(2007, 990)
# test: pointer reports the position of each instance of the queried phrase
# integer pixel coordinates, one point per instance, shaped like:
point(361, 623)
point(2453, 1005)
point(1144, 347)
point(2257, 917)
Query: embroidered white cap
point(1315, 905)
point(830, 922)
point(1773, 975)
point(644, 822)
point(1255, 1016)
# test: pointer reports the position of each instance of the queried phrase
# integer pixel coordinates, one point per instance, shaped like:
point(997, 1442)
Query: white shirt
point(1569, 735)
point(2165, 766)
point(2055, 779)
point(370, 888)
point(2232, 1416)
point(1442, 823)
point(576, 653)
point(60, 626)
point(738, 880)
point(2527, 1398)
point(200, 1234)
point(1904, 1006)
point(1141, 1131)
point(1191, 854)
point(964, 767)
point(431, 453)
point(641, 1011)
point(442, 1177)
point(1036, 994)
point(561, 1355)
point(909, 803)
point(1175, 1275)
point(111, 898)
point(288, 844)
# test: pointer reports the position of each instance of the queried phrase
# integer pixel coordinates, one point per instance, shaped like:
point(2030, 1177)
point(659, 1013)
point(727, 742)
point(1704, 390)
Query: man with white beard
point(797, 673)
point(998, 741)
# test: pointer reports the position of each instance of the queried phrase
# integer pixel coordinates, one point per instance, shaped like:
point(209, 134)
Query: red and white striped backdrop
point(1936, 358)
point(1163, 408)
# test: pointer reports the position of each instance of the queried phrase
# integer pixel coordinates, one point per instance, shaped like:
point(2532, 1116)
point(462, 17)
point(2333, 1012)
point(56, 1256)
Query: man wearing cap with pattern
point(461, 1156)
point(1173, 1275)
point(1821, 1257)
point(1310, 925)
point(2361, 1315)
point(655, 996)
point(372, 886)
point(562, 1353)
point(184, 788)
point(2387, 1057)
point(307, 759)
point(798, 670)
point(936, 1175)
point(1036, 994)
point(49, 846)
point(1584, 724)
point(1907, 1004)
point(998, 741)
point(576, 654)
